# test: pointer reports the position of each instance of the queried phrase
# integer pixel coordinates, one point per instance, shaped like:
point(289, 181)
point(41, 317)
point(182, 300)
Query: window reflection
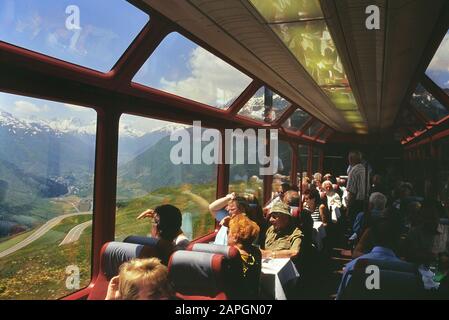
point(297, 120)
point(428, 105)
point(311, 43)
point(287, 11)
point(264, 106)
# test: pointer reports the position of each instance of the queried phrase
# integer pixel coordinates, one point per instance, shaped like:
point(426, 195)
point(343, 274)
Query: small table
point(319, 234)
point(276, 273)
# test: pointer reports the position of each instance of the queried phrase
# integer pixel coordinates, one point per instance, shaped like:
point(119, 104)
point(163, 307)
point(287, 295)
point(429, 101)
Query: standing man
point(357, 187)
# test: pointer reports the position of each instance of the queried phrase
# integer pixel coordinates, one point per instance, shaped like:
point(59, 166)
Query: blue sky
point(41, 26)
point(438, 69)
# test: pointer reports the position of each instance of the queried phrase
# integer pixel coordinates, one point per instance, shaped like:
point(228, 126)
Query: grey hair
point(356, 156)
point(378, 200)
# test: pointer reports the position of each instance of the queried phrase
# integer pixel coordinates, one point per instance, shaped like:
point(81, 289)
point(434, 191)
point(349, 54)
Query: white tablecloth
point(276, 273)
point(319, 234)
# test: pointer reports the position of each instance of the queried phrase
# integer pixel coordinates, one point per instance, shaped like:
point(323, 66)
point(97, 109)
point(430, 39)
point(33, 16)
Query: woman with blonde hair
point(141, 279)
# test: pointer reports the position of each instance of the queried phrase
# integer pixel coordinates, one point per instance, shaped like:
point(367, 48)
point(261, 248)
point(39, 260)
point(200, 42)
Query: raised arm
point(220, 203)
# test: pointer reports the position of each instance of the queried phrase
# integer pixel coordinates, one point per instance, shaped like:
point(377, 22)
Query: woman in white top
point(333, 200)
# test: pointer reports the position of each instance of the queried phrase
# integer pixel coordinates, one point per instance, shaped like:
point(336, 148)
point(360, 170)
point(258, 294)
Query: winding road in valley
point(45, 228)
point(75, 233)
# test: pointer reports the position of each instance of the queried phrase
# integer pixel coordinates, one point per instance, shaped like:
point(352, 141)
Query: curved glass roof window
point(265, 106)
point(296, 120)
point(425, 102)
point(342, 98)
point(313, 129)
point(302, 28)
point(91, 34)
point(438, 69)
point(181, 67)
point(287, 11)
point(312, 45)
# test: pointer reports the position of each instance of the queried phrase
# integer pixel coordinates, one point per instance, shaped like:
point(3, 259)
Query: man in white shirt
point(356, 187)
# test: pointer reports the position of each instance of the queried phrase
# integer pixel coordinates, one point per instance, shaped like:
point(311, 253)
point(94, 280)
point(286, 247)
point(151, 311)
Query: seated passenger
point(255, 213)
point(223, 210)
point(385, 234)
point(332, 201)
point(317, 177)
point(376, 206)
point(242, 233)
point(167, 221)
point(312, 203)
point(428, 239)
point(141, 279)
point(283, 239)
point(281, 190)
point(366, 242)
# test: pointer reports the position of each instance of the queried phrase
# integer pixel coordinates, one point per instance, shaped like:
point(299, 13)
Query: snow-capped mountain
point(255, 107)
point(35, 126)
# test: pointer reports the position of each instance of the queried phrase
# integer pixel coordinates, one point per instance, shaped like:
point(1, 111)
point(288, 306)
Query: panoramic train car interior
point(112, 107)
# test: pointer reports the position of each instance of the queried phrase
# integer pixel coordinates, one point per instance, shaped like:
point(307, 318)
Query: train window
point(430, 107)
point(303, 152)
point(244, 172)
point(285, 159)
point(153, 171)
point(342, 98)
point(325, 134)
point(444, 172)
point(47, 155)
point(312, 130)
point(297, 120)
point(312, 45)
point(93, 34)
point(245, 179)
point(181, 67)
point(288, 11)
point(264, 106)
point(438, 69)
point(315, 160)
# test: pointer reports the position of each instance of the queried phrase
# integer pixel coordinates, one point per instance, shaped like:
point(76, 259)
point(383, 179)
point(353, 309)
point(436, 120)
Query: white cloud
point(32, 25)
point(212, 81)
point(26, 107)
point(76, 108)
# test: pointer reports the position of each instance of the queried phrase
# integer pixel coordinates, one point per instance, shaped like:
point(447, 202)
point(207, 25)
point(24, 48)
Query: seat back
point(163, 249)
point(113, 255)
point(228, 252)
point(232, 261)
point(146, 241)
point(201, 275)
point(396, 281)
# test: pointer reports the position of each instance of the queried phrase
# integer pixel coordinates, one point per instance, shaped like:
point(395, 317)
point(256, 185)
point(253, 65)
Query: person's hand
point(146, 214)
point(231, 196)
point(225, 221)
point(113, 292)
